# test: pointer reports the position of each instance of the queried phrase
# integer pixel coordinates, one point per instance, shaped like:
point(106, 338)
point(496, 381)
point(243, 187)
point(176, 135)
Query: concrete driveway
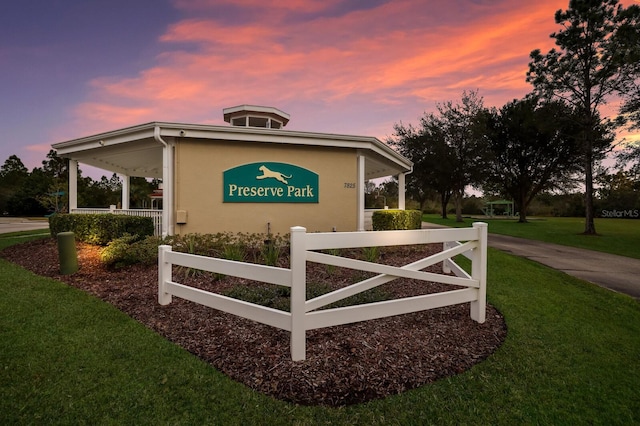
point(16, 224)
point(617, 273)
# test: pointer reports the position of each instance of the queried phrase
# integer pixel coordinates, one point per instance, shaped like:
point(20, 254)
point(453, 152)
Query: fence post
point(479, 272)
point(298, 261)
point(164, 274)
point(446, 265)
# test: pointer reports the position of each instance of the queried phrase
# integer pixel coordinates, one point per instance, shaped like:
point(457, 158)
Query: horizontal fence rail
point(304, 314)
point(156, 215)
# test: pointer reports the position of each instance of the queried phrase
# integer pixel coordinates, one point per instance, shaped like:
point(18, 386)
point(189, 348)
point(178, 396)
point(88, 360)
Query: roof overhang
point(134, 151)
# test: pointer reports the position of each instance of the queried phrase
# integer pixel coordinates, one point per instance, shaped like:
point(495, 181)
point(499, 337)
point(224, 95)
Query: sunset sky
point(72, 68)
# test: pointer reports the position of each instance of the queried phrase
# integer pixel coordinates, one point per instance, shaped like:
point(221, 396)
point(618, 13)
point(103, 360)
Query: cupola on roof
point(256, 116)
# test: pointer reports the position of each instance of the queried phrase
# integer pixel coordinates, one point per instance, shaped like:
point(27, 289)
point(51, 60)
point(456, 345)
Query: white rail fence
point(304, 314)
point(156, 215)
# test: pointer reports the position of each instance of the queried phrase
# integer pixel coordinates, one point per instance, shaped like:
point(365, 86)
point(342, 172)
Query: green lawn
point(572, 356)
point(616, 236)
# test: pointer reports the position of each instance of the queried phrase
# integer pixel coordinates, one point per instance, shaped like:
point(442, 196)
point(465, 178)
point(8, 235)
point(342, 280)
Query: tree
point(13, 171)
point(619, 191)
point(596, 60)
point(12, 175)
point(19, 189)
point(630, 109)
point(56, 199)
point(430, 155)
point(630, 158)
point(389, 188)
point(463, 126)
point(24, 202)
point(447, 151)
point(139, 191)
point(55, 166)
point(412, 145)
point(102, 193)
point(533, 149)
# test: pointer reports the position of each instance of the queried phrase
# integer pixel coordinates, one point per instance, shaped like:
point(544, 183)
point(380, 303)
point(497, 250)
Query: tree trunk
point(422, 201)
point(589, 223)
point(444, 201)
point(522, 206)
point(523, 216)
point(458, 199)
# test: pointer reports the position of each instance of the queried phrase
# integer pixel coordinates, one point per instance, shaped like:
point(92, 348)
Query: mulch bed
point(345, 365)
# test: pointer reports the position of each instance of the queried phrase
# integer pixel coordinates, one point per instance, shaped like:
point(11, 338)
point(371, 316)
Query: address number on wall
point(349, 184)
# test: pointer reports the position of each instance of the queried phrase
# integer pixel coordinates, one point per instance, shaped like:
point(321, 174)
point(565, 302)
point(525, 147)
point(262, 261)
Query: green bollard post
point(67, 253)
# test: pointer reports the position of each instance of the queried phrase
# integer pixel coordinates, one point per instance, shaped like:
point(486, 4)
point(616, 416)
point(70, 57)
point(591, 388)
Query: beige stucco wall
point(199, 188)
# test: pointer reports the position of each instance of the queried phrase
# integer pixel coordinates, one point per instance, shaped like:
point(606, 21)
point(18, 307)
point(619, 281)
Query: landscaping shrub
point(270, 253)
point(145, 251)
point(384, 220)
point(130, 249)
point(234, 251)
point(269, 295)
point(228, 245)
point(118, 252)
point(100, 229)
point(258, 248)
point(371, 254)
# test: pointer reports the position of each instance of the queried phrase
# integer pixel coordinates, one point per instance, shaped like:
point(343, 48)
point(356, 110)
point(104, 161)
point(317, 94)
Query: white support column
point(168, 168)
point(360, 185)
point(73, 185)
point(125, 192)
point(167, 187)
point(167, 191)
point(171, 200)
point(401, 191)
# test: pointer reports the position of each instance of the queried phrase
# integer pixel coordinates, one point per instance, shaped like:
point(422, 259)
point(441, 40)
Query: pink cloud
point(399, 57)
point(40, 148)
point(96, 117)
point(204, 31)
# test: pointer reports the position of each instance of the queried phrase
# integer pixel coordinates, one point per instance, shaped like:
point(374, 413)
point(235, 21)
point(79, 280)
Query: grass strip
point(615, 236)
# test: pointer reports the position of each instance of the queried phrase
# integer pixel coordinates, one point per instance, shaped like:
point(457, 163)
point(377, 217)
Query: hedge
point(100, 229)
point(384, 220)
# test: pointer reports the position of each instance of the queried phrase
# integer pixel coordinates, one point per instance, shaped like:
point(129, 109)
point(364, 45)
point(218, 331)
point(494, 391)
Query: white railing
point(304, 313)
point(156, 215)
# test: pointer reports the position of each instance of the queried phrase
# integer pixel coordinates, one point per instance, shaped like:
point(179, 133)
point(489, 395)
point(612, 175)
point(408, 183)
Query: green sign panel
point(270, 182)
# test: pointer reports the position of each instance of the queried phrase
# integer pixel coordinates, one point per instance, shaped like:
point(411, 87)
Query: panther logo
point(267, 174)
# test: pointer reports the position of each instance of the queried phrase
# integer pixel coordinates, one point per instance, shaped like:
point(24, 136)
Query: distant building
point(251, 176)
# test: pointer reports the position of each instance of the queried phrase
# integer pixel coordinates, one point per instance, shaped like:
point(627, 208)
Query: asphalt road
point(11, 224)
point(617, 273)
